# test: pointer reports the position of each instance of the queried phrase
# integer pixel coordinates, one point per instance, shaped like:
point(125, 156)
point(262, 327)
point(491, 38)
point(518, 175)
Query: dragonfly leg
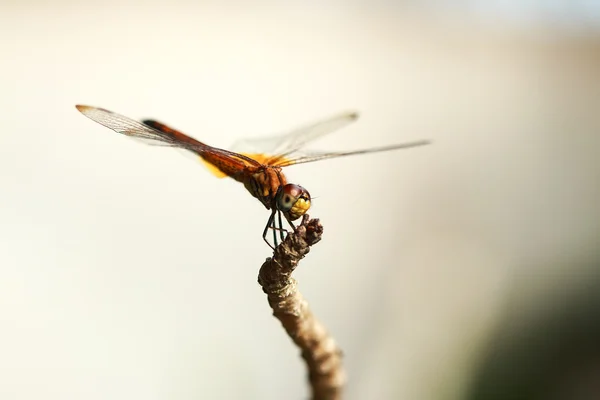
point(273, 226)
point(291, 223)
point(281, 230)
point(269, 223)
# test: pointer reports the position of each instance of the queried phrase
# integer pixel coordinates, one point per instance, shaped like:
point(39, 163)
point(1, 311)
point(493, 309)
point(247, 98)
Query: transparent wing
point(129, 127)
point(224, 162)
point(280, 146)
point(276, 150)
point(315, 156)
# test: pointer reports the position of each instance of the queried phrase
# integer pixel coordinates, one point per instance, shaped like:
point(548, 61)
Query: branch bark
point(320, 352)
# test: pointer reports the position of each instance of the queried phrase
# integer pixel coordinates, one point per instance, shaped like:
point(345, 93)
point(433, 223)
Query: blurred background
point(467, 269)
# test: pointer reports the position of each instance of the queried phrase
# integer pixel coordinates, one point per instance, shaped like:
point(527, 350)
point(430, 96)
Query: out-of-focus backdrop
point(127, 271)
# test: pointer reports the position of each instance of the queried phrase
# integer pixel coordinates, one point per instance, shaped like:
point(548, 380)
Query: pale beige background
point(129, 272)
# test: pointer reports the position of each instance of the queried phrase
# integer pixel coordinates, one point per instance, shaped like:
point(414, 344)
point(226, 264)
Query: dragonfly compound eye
point(294, 201)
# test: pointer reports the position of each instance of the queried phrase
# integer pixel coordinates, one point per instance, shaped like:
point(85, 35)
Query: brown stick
point(319, 350)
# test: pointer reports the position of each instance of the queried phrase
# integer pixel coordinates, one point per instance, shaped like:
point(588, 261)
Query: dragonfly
point(261, 172)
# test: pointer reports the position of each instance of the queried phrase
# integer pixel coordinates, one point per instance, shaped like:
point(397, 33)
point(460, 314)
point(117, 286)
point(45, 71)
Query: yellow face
point(293, 200)
point(299, 208)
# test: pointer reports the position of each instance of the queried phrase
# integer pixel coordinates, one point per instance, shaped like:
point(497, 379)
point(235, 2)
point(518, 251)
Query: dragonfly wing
point(280, 146)
point(316, 156)
point(128, 127)
point(221, 162)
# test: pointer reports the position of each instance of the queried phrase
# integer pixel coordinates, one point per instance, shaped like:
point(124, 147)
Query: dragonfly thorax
point(270, 186)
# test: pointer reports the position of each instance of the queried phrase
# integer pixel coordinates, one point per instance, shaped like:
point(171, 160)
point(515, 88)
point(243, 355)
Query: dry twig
point(319, 350)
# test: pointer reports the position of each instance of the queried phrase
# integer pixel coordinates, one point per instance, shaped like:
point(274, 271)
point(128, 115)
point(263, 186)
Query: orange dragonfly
point(261, 173)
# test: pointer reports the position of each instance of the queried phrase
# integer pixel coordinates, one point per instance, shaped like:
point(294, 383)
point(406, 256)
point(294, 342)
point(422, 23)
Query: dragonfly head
point(293, 201)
